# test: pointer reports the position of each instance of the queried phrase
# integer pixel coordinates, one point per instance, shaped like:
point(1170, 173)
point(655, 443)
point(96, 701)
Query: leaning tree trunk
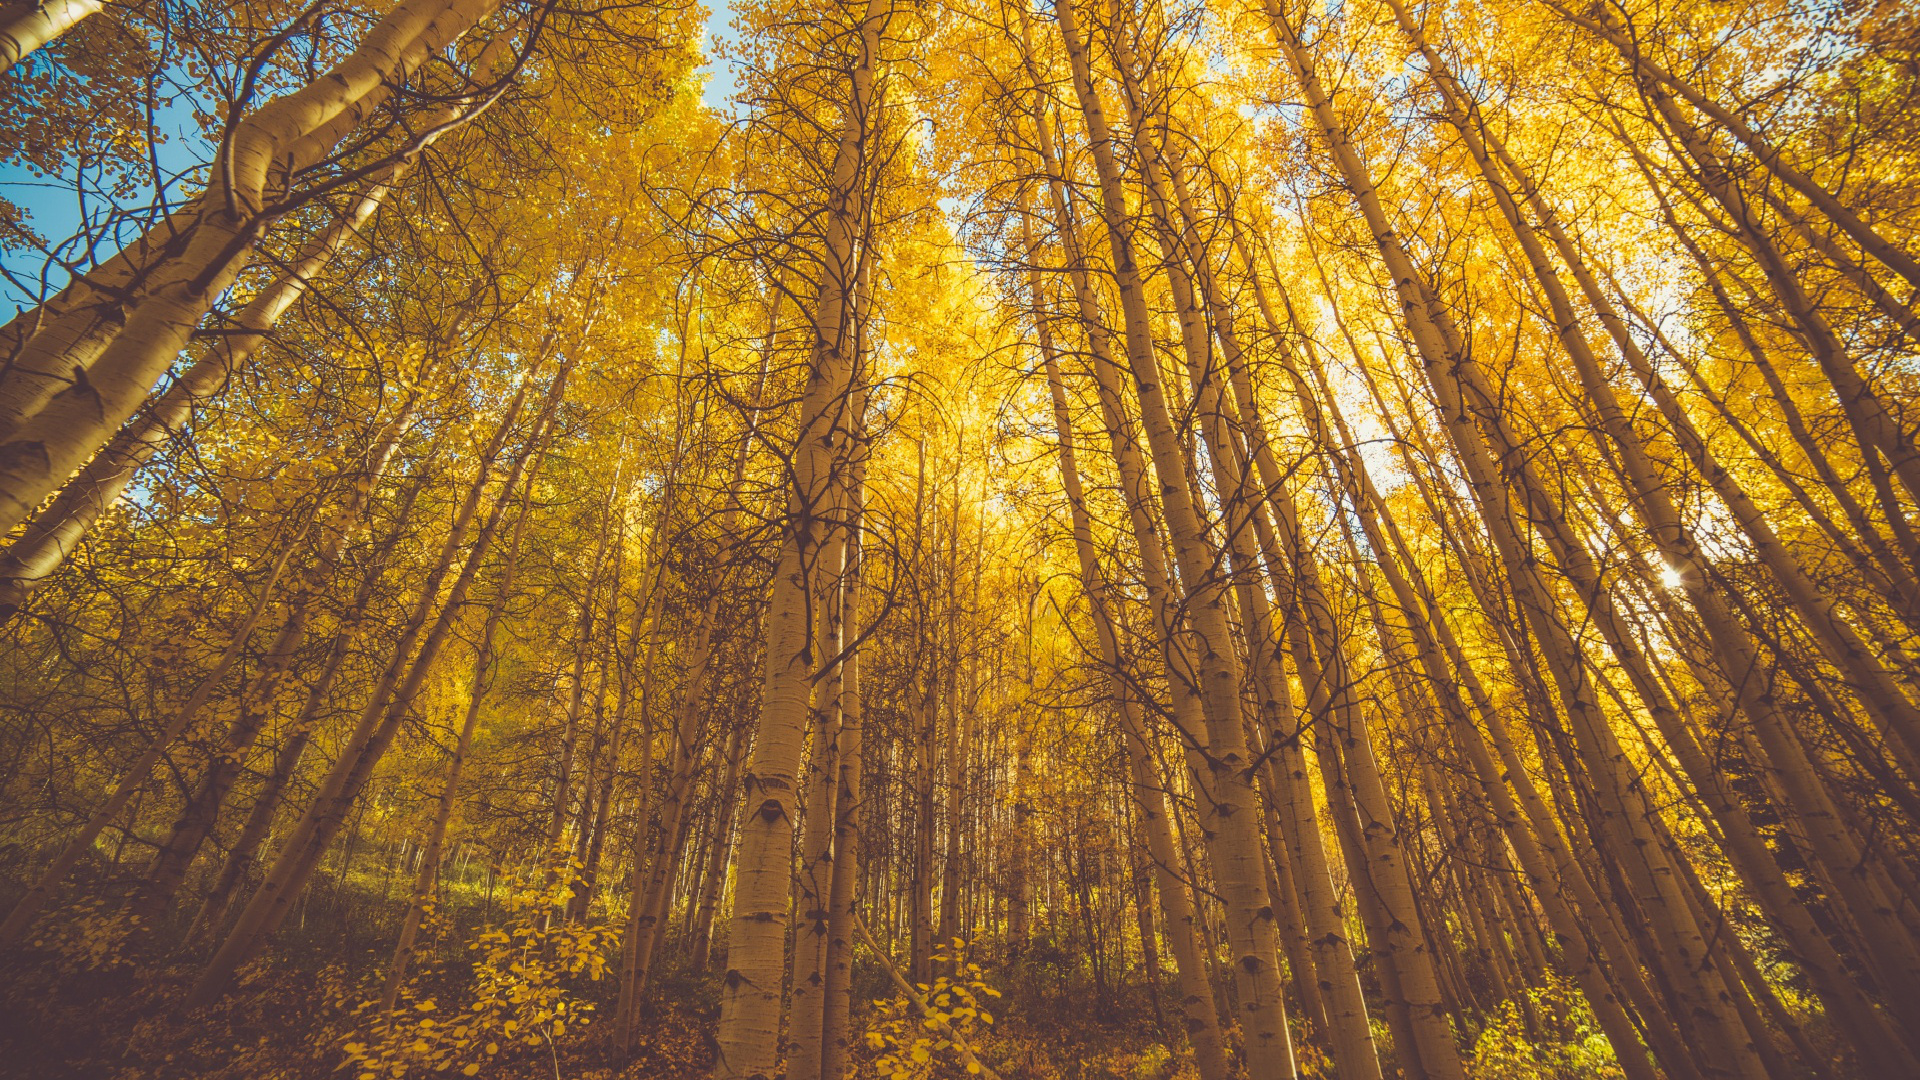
point(26, 25)
point(1601, 22)
point(91, 379)
point(426, 883)
point(198, 817)
point(808, 1002)
point(1428, 624)
point(714, 879)
point(1737, 655)
point(385, 710)
point(297, 734)
point(1621, 806)
point(56, 531)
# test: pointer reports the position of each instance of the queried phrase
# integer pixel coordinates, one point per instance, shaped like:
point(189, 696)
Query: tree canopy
point(1106, 538)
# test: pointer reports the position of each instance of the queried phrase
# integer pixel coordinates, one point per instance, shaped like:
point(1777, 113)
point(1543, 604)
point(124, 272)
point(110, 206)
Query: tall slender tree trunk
point(1196, 995)
point(1429, 627)
point(380, 720)
point(426, 882)
point(752, 992)
point(1604, 24)
point(577, 685)
point(718, 855)
point(1738, 657)
point(1235, 846)
point(1317, 642)
point(807, 998)
point(1892, 950)
point(923, 724)
point(836, 1042)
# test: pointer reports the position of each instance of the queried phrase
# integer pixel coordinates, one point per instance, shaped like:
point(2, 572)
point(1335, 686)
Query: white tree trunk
point(27, 26)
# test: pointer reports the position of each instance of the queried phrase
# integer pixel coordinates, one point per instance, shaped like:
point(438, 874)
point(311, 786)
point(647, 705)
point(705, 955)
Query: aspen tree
point(819, 1002)
point(1430, 627)
point(636, 955)
point(604, 748)
point(1197, 1006)
point(297, 733)
point(1737, 654)
point(589, 609)
point(427, 881)
point(1453, 378)
point(1188, 717)
point(842, 900)
point(1610, 937)
point(1186, 708)
point(719, 852)
point(1022, 833)
point(752, 995)
point(1834, 634)
point(1188, 713)
point(56, 531)
point(1493, 467)
point(1876, 430)
point(26, 25)
point(203, 806)
point(1606, 25)
point(380, 719)
point(1398, 929)
point(807, 999)
point(199, 816)
point(958, 730)
point(123, 351)
point(1236, 846)
point(653, 891)
point(1866, 534)
point(924, 723)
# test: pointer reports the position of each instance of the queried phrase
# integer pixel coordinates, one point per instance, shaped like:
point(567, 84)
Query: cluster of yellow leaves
point(92, 937)
point(521, 993)
point(912, 1043)
point(1506, 1051)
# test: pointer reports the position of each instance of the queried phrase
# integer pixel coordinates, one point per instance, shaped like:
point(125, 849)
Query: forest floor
point(85, 1002)
point(283, 1022)
point(288, 1021)
point(88, 1000)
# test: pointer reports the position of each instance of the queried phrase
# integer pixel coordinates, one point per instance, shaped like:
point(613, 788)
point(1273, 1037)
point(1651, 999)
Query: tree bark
point(56, 531)
point(111, 373)
point(752, 991)
point(26, 25)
